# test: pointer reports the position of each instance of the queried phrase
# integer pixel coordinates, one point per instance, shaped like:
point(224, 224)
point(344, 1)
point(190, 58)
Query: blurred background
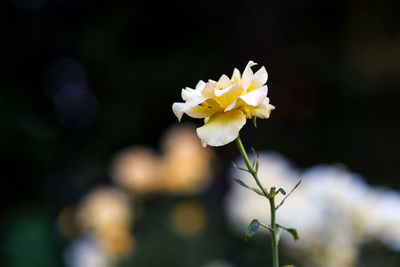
point(97, 172)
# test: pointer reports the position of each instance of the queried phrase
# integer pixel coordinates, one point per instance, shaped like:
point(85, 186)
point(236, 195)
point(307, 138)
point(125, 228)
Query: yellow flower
point(226, 104)
point(106, 213)
point(103, 209)
point(187, 166)
point(138, 169)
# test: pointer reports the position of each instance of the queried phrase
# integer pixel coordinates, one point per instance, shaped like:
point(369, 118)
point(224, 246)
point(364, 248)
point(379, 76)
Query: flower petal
point(179, 109)
point(259, 79)
point(261, 111)
point(225, 96)
point(248, 74)
point(188, 94)
point(222, 128)
point(253, 98)
point(221, 92)
point(200, 85)
point(224, 82)
point(203, 110)
point(235, 76)
point(231, 92)
point(208, 91)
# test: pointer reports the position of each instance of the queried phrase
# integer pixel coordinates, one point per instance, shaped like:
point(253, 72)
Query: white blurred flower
point(84, 252)
point(243, 205)
point(333, 193)
point(379, 216)
point(334, 210)
point(368, 211)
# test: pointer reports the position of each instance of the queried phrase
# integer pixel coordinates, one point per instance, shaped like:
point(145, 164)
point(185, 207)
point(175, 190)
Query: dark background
point(333, 76)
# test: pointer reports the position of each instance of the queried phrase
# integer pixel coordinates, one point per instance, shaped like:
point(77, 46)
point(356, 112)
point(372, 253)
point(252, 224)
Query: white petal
point(248, 74)
point(255, 97)
point(222, 128)
point(221, 92)
point(208, 91)
point(233, 89)
point(232, 105)
point(236, 75)
point(179, 109)
point(195, 101)
point(200, 85)
point(261, 111)
point(188, 94)
point(259, 78)
point(223, 82)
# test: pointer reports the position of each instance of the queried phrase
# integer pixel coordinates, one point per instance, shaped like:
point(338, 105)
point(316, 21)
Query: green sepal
point(273, 192)
point(251, 229)
point(254, 120)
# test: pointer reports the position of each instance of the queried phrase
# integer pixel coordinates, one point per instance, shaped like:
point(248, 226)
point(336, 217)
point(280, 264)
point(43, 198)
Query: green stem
point(249, 166)
point(275, 252)
point(275, 255)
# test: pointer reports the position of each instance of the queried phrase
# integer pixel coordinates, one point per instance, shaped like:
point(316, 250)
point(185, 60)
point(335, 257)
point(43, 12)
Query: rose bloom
point(138, 169)
point(226, 104)
point(106, 213)
point(187, 166)
point(104, 208)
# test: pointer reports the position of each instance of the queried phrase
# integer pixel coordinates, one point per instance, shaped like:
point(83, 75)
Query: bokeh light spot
point(189, 218)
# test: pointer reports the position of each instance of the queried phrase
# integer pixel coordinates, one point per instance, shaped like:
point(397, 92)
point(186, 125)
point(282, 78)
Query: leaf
point(289, 266)
point(251, 229)
point(255, 159)
point(282, 191)
point(239, 168)
point(283, 200)
point(240, 182)
point(292, 231)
